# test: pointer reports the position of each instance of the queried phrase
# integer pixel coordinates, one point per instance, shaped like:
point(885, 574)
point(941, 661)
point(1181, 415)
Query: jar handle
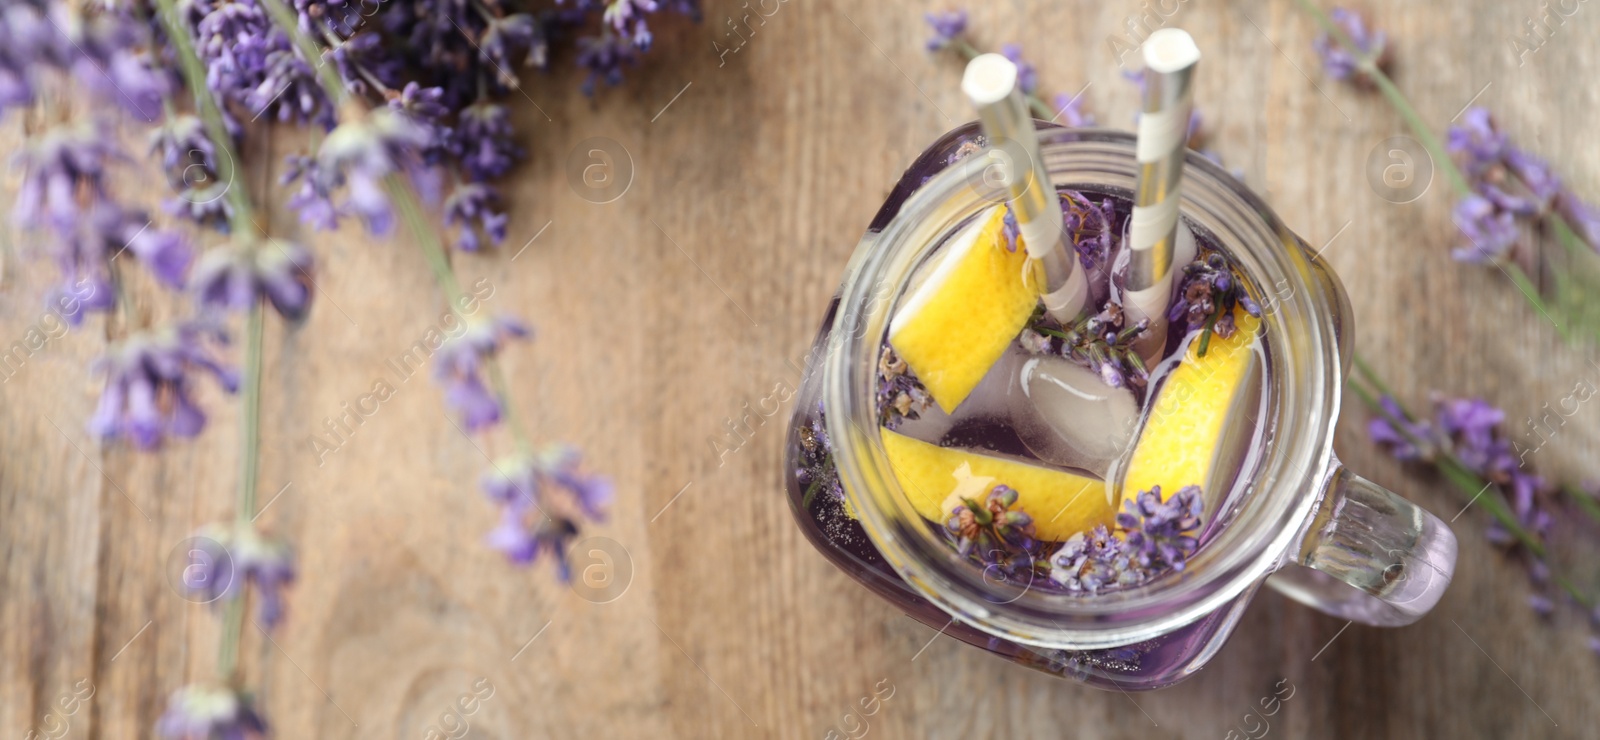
point(1370, 556)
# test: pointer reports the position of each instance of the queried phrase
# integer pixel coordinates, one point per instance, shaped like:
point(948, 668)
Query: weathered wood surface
point(663, 312)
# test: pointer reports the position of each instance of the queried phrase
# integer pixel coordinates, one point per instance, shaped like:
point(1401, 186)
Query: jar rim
point(1303, 372)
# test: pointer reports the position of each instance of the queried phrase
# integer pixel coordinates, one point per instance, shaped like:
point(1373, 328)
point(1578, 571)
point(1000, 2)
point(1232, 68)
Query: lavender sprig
point(1365, 60)
point(1466, 444)
point(1207, 294)
point(901, 395)
point(992, 534)
point(1100, 342)
point(950, 32)
point(376, 159)
point(1157, 537)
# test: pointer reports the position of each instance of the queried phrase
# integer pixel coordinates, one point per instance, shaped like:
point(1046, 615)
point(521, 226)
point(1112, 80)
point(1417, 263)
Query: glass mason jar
point(1306, 526)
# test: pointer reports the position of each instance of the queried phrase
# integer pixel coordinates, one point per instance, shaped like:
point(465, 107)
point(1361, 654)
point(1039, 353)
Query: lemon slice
point(958, 322)
point(935, 478)
point(1182, 439)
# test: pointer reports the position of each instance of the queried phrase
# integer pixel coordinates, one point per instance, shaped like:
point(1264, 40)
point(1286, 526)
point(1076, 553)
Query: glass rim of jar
point(1303, 374)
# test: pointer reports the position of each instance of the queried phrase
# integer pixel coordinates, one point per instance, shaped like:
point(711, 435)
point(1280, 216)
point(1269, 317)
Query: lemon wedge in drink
point(1182, 440)
point(958, 322)
point(936, 479)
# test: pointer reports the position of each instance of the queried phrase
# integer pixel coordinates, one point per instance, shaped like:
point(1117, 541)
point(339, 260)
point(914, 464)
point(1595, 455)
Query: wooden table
point(662, 313)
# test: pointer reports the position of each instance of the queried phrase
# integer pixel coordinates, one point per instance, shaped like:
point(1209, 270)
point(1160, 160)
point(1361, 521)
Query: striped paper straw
point(1170, 56)
point(990, 82)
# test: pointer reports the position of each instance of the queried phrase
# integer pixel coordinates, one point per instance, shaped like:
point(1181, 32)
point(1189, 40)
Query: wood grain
point(662, 313)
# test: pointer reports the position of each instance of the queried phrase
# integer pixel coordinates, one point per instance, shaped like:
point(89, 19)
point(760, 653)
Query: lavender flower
point(250, 62)
point(1099, 342)
point(1158, 537)
point(1027, 75)
point(363, 151)
point(149, 381)
point(1470, 431)
point(991, 533)
point(604, 56)
point(1207, 295)
point(64, 190)
point(210, 713)
point(627, 18)
point(525, 480)
point(484, 141)
point(103, 48)
point(816, 471)
point(1491, 231)
point(236, 276)
point(459, 362)
point(901, 395)
point(948, 26)
point(1405, 439)
point(313, 199)
point(473, 208)
point(525, 487)
point(227, 558)
point(1477, 145)
point(189, 158)
point(1507, 184)
point(1090, 561)
point(1341, 63)
point(1161, 534)
point(521, 543)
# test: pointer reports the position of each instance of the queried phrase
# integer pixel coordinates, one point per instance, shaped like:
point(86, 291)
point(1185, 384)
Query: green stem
point(249, 463)
point(243, 223)
point(1526, 287)
point(242, 219)
point(250, 418)
point(1584, 501)
point(410, 208)
point(232, 627)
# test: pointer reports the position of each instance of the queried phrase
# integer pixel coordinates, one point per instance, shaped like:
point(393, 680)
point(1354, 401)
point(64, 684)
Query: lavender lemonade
point(1053, 457)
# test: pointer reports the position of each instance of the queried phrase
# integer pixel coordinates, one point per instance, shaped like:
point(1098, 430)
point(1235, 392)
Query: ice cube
point(1069, 417)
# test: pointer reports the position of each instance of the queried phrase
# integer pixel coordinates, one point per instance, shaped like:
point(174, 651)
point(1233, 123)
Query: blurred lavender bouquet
point(406, 104)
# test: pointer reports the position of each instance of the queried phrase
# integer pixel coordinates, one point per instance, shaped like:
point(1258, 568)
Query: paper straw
point(990, 82)
point(1170, 56)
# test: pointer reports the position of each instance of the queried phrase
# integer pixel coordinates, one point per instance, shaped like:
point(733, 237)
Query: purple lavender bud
point(1069, 111)
point(235, 277)
point(604, 57)
point(1583, 217)
point(363, 152)
point(1337, 61)
point(459, 360)
point(1027, 75)
point(1490, 231)
point(227, 558)
point(1475, 142)
point(148, 385)
point(592, 493)
point(203, 713)
point(511, 482)
point(484, 141)
point(473, 207)
point(947, 26)
point(513, 539)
